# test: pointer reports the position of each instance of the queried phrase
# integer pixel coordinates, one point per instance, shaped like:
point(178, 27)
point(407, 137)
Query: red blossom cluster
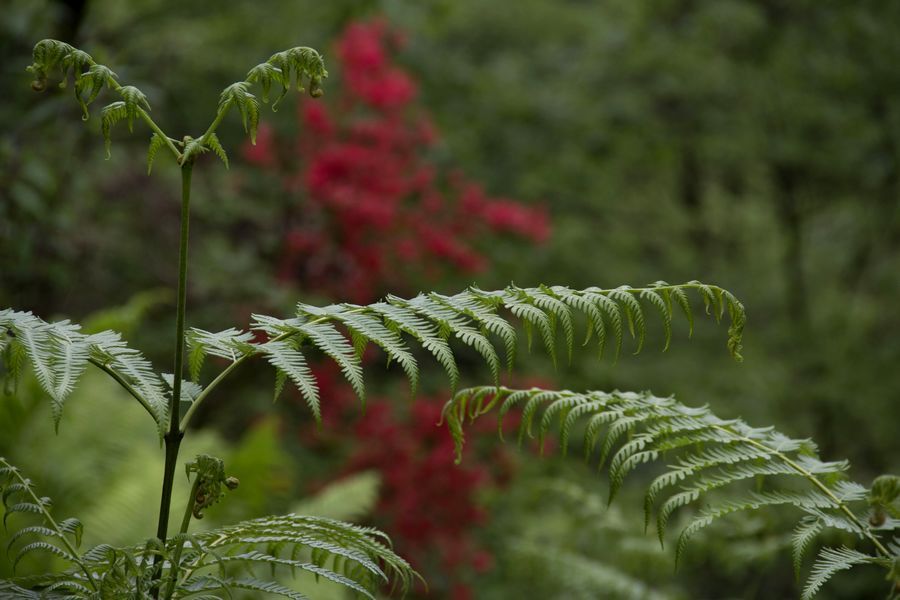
point(376, 214)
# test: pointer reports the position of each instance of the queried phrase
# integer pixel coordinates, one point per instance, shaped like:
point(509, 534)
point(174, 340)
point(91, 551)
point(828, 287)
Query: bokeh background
point(748, 143)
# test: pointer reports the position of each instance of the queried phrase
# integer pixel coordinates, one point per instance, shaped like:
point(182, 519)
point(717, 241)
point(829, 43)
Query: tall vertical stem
point(185, 523)
point(173, 436)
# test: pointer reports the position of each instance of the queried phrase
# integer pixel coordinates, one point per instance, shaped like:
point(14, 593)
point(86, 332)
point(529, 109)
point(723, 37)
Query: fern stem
point(185, 523)
point(178, 373)
point(127, 386)
point(156, 129)
point(220, 116)
point(228, 370)
point(173, 437)
point(215, 382)
point(115, 85)
point(842, 506)
point(52, 522)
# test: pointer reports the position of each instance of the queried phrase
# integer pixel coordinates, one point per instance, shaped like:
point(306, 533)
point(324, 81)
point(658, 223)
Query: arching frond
point(711, 460)
point(60, 539)
point(59, 354)
point(473, 318)
point(215, 561)
point(355, 557)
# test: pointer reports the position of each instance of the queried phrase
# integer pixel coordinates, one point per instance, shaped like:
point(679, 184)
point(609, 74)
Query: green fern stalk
point(174, 435)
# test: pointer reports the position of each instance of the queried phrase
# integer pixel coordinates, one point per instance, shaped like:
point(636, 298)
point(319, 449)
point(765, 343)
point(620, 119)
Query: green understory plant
point(218, 563)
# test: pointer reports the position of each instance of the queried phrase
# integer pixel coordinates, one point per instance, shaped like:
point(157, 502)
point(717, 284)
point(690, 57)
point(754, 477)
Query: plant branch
point(174, 435)
point(150, 123)
point(127, 386)
point(26, 485)
point(178, 372)
point(215, 382)
point(185, 523)
point(234, 365)
point(116, 86)
point(220, 116)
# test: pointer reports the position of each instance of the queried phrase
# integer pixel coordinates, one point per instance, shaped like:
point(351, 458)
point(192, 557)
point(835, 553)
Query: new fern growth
point(215, 563)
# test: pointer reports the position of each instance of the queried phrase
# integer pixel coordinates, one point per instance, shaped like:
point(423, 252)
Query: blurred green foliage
point(753, 144)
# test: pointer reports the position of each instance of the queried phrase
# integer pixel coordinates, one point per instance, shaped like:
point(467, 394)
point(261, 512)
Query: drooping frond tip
point(48, 536)
point(298, 66)
point(50, 56)
point(474, 318)
point(726, 466)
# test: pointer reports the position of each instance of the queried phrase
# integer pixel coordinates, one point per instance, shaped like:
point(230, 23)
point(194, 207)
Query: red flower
point(315, 116)
point(375, 213)
point(263, 152)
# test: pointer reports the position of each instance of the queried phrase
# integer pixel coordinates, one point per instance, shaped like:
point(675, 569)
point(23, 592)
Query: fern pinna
point(706, 458)
point(216, 563)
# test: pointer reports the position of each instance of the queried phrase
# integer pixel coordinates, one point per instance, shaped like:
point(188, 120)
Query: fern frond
point(129, 368)
point(426, 333)
point(230, 344)
point(366, 328)
point(296, 64)
point(192, 149)
point(59, 354)
point(350, 555)
point(19, 496)
point(433, 319)
point(110, 115)
point(710, 458)
point(15, 592)
point(449, 321)
point(209, 584)
point(134, 100)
